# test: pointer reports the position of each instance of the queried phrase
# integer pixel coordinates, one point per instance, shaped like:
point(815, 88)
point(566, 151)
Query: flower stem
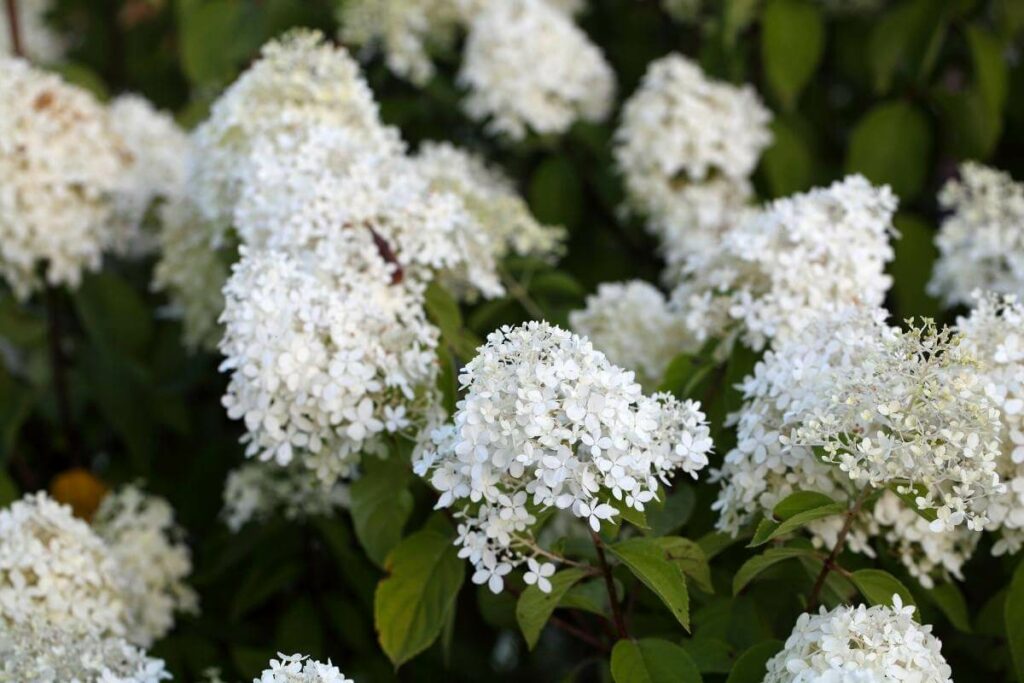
point(14, 27)
point(609, 582)
point(830, 561)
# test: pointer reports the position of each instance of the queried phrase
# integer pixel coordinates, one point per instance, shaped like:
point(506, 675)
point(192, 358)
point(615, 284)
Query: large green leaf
point(381, 506)
point(789, 62)
point(750, 666)
point(652, 661)
point(535, 606)
point(649, 562)
point(114, 315)
point(950, 600)
point(912, 268)
point(788, 165)
point(759, 563)
point(556, 193)
point(412, 604)
point(891, 145)
point(691, 559)
point(1013, 616)
point(878, 587)
point(796, 510)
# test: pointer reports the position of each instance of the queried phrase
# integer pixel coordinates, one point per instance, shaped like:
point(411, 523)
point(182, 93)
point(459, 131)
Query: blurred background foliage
point(901, 93)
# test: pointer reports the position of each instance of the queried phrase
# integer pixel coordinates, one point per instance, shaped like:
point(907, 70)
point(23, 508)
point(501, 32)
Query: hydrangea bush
point(361, 341)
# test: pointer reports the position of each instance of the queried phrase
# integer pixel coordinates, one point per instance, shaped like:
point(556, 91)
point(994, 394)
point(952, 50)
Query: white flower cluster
point(874, 400)
point(257, 490)
point(685, 147)
point(785, 264)
point(61, 164)
point(157, 149)
point(860, 645)
point(632, 324)
point(37, 653)
point(147, 545)
point(994, 334)
point(301, 669)
point(981, 243)
point(39, 41)
point(528, 67)
point(546, 421)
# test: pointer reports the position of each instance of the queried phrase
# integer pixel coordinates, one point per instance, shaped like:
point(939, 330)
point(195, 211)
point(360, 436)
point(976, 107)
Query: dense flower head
point(61, 164)
point(981, 242)
point(682, 131)
point(546, 421)
point(42, 653)
point(258, 490)
point(39, 41)
point(633, 325)
point(800, 256)
point(152, 557)
point(298, 81)
point(882, 407)
point(158, 152)
point(994, 333)
point(328, 353)
point(860, 645)
point(529, 68)
point(55, 570)
point(300, 669)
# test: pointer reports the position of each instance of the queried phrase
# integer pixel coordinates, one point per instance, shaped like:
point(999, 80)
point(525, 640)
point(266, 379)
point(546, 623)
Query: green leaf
point(878, 587)
point(711, 655)
point(797, 510)
point(668, 516)
point(990, 67)
point(751, 666)
point(691, 559)
point(912, 267)
point(629, 514)
point(759, 563)
point(792, 42)
point(891, 145)
point(910, 498)
point(16, 401)
point(906, 39)
point(556, 193)
point(262, 582)
point(412, 604)
point(951, 601)
point(648, 561)
point(684, 374)
point(114, 315)
point(652, 661)
point(1013, 617)
point(380, 507)
point(300, 630)
point(788, 165)
point(205, 58)
point(589, 596)
point(8, 490)
point(535, 606)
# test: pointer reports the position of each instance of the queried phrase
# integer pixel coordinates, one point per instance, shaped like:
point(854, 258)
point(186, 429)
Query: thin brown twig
point(830, 561)
point(609, 582)
point(14, 26)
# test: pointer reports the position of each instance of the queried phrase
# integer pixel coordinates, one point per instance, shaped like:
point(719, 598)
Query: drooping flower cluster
point(529, 68)
point(301, 669)
point(882, 408)
point(39, 41)
point(981, 242)
point(994, 333)
point(547, 422)
point(61, 164)
point(785, 264)
point(860, 645)
point(147, 546)
point(157, 149)
point(257, 490)
point(632, 324)
point(686, 147)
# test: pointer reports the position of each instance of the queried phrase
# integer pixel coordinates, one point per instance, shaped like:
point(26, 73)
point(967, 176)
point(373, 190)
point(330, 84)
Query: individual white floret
point(529, 68)
point(546, 421)
point(981, 242)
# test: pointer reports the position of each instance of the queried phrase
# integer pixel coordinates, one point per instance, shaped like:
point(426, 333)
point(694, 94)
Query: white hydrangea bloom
point(994, 333)
point(631, 323)
point(38, 653)
point(528, 67)
point(259, 490)
point(798, 257)
point(157, 149)
point(860, 645)
point(39, 41)
point(490, 197)
point(299, 81)
point(54, 569)
point(851, 374)
point(60, 164)
point(301, 669)
point(682, 10)
point(686, 146)
point(546, 421)
point(151, 555)
point(192, 271)
point(329, 354)
point(406, 31)
point(981, 243)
